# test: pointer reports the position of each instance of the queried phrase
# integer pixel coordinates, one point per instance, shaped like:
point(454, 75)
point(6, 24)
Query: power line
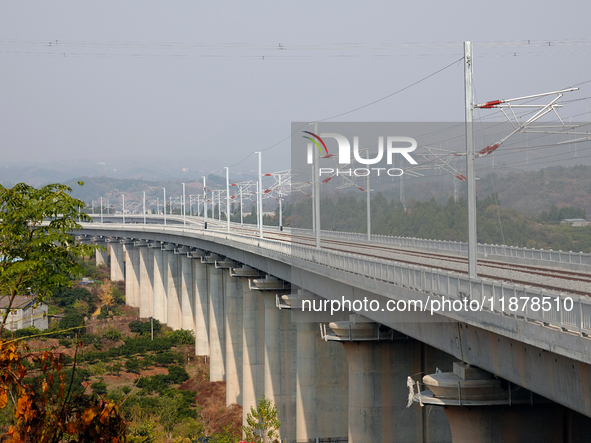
point(352, 110)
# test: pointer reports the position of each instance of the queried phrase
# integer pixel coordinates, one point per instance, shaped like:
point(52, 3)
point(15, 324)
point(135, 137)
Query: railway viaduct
point(491, 374)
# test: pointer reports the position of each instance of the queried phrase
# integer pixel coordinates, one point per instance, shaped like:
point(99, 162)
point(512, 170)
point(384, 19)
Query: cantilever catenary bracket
point(508, 106)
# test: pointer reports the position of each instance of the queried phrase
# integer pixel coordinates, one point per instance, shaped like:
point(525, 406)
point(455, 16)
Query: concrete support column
point(159, 283)
point(216, 323)
point(306, 403)
point(253, 322)
point(233, 333)
point(173, 307)
point(116, 251)
point(322, 386)
point(132, 268)
point(484, 409)
point(146, 265)
point(378, 392)
point(377, 383)
point(200, 291)
point(100, 254)
point(280, 359)
point(187, 303)
point(379, 361)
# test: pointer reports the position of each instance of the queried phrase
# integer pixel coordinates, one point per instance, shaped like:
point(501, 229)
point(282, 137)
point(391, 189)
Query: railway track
point(386, 252)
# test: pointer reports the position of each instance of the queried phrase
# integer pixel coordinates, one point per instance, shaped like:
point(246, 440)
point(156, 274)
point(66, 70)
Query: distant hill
point(536, 191)
point(527, 192)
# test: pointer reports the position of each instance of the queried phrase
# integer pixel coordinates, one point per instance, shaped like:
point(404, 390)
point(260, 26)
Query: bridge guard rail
point(566, 311)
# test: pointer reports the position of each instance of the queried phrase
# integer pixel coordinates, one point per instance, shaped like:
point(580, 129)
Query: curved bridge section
point(344, 376)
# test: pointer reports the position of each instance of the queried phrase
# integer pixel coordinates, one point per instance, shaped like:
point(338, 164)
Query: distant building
point(23, 313)
point(576, 221)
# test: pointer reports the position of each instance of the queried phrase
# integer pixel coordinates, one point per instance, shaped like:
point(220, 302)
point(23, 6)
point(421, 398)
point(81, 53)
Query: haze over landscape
point(166, 218)
point(152, 89)
point(134, 97)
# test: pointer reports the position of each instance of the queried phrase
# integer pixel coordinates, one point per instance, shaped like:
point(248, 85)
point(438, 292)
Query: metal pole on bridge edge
point(164, 206)
point(204, 204)
point(228, 197)
point(184, 202)
point(260, 197)
point(316, 182)
point(144, 207)
point(472, 238)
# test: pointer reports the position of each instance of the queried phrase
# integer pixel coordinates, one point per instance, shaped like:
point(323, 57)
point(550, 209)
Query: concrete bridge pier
point(100, 254)
point(132, 273)
point(173, 287)
point(484, 409)
point(159, 282)
point(279, 369)
point(116, 253)
point(322, 385)
point(187, 304)
point(171, 279)
point(146, 264)
point(200, 295)
point(379, 361)
point(253, 342)
point(215, 298)
point(280, 362)
point(232, 331)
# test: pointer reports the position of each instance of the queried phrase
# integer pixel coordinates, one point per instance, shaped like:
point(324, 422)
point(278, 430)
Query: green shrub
point(158, 383)
point(98, 369)
point(132, 365)
point(72, 320)
point(177, 374)
point(99, 387)
point(132, 346)
point(183, 336)
point(144, 328)
point(115, 368)
point(66, 297)
point(90, 339)
point(118, 296)
point(135, 326)
point(147, 362)
point(26, 332)
point(104, 313)
point(112, 334)
point(81, 307)
point(161, 382)
point(116, 395)
point(168, 358)
point(116, 311)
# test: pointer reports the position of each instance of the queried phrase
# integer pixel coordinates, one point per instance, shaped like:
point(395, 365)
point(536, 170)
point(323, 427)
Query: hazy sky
point(207, 83)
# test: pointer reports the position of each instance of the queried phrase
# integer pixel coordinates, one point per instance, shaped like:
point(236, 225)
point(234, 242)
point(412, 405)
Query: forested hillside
point(536, 191)
point(496, 224)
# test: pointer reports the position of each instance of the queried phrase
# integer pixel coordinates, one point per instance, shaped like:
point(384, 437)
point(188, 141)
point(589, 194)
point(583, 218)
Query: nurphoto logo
point(394, 145)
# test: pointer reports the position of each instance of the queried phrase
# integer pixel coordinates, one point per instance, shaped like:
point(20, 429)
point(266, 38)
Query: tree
point(35, 254)
point(132, 365)
point(262, 423)
point(72, 323)
point(183, 336)
point(169, 412)
point(67, 297)
point(105, 293)
point(48, 409)
point(37, 258)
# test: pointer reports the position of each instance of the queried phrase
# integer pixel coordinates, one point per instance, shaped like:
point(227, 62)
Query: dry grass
point(211, 398)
